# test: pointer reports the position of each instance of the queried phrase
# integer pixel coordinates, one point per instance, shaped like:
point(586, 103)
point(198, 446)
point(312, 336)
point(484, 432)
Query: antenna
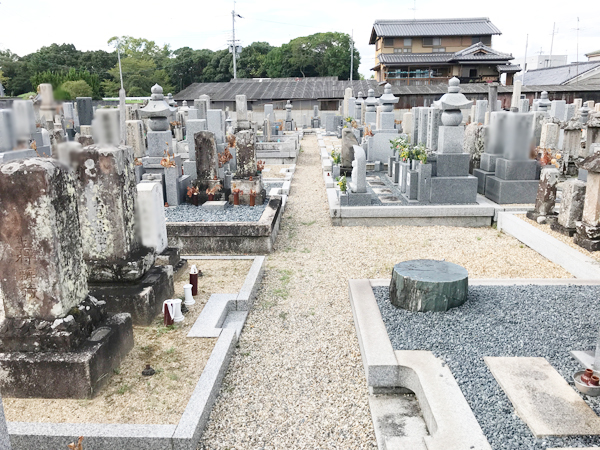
point(351, 55)
point(577, 57)
point(525, 60)
point(552, 43)
point(414, 9)
point(119, 57)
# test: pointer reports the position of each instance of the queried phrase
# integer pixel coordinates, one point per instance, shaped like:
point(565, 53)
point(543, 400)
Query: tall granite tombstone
point(85, 110)
point(9, 141)
point(546, 196)
point(207, 162)
point(349, 141)
point(50, 342)
point(434, 121)
point(289, 122)
point(357, 194)
point(136, 138)
point(241, 108)
point(151, 213)
point(515, 179)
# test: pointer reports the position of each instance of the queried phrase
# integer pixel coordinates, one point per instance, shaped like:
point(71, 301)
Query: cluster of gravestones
point(441, 179)
point(78, 268)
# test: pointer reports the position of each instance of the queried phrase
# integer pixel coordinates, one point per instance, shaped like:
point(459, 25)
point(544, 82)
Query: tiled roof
point(468, 54)
point(322, 90)
point(478, 26)
point(558, 75)
point(480, 51)
point(508, 68)
point(414, 58)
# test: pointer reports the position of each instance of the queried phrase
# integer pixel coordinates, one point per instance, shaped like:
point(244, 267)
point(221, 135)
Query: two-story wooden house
point(424, 52)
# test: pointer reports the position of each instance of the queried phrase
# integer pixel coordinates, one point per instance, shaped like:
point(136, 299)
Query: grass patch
point(308, 224)
point(124, 388)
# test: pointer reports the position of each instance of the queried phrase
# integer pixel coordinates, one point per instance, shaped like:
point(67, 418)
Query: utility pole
point(351, 54)
point(525, 60)
point(233, 41)
point(551, 44)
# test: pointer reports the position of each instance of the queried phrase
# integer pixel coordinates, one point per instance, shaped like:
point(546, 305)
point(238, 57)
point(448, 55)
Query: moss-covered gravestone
point(427, 285)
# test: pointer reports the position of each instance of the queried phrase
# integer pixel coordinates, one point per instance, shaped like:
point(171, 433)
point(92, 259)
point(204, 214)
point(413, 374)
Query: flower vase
point(236, 198)
point(195, 199)
point(211, 197)
point(252, 200)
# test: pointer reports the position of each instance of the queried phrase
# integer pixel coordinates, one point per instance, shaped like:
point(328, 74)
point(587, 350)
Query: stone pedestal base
point(453, 190)
point(427, 285)
point(482, 176)
point(555, 226)
point(508, 169)
point(488, 162)
point(246, 186)
point(171, 256)
point(143, 299)
point(588, 236)
point(355, 199)
point(75, 374)
point(17, 154)
point(123, 270)
point(591, 245)
point(511, 191)
point(548, 218)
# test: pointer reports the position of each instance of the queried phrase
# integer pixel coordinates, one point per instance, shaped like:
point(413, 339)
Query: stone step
point(398, 422)
point(542, 398)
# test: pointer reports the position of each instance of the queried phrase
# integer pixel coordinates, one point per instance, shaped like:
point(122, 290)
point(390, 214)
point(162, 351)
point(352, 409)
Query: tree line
point(95, 73)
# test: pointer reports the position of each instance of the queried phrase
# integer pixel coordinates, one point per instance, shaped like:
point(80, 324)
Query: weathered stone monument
point(121, 270)
point(56, 340)
point(546, 196)
point(289, 122)
point(588, 229)
point(357, 194)
point(246, 178)
point(571, 207)
point(348, 142)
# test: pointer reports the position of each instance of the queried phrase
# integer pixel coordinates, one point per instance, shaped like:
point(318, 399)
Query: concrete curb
point(573, 261)
point(450, 421)
point(223, 320)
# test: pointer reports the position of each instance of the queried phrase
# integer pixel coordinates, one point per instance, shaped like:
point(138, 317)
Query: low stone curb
point(450, 421)
point(186, 434)
point(573, 261)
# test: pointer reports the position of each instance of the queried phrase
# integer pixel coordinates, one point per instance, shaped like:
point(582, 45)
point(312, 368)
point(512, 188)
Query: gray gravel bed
point(544, 321)
point(187, 212)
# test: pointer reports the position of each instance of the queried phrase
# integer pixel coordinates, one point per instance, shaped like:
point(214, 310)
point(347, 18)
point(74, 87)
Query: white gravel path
point(296, 380)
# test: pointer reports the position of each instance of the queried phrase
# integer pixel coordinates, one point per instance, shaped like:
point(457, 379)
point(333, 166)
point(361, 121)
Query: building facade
point(426, 52)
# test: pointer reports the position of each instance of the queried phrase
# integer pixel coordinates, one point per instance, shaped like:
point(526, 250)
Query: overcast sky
point(26, 25)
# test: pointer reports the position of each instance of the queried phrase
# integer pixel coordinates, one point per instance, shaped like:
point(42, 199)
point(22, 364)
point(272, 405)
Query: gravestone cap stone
point(387, 100)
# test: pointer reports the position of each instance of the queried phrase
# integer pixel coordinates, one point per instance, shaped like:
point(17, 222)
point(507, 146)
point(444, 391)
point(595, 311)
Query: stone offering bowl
point(592, 391)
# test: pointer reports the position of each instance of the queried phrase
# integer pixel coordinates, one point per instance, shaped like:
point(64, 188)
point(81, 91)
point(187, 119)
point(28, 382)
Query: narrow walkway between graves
point(296, 379)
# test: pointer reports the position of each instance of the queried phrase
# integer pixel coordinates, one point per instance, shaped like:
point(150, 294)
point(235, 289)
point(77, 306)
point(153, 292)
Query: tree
point(251, 63)
point(3, 80)
point(56, 79)
point(54, 57)
point(187, 66)
point(16, 70)
point(77, 88)
point(220, 67)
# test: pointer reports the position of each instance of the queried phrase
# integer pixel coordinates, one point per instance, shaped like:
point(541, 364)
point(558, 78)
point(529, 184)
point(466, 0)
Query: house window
point(408, 42)
point(485, 40)
point(438, 49)
point(432, 41)
point(472, 73)
point(388, 42)
point(402, 50)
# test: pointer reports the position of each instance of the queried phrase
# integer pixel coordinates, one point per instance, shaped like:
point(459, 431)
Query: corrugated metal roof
point(324, 90)
point(477, 26)
point(559, 74)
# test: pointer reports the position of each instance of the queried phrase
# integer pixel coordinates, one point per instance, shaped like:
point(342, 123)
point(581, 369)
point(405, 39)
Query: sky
point(27, 25)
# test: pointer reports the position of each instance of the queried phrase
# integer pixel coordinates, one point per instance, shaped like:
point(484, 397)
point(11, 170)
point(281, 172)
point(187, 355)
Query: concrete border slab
point(573, 261)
